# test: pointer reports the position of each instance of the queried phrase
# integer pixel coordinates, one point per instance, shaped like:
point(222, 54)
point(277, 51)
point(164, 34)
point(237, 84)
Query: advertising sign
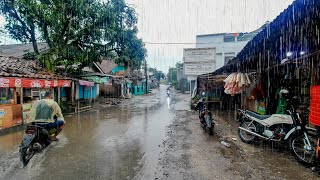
point(197, 69)
point(33, 83)
point(199, 55)
point(2, 113)
point(199, 61)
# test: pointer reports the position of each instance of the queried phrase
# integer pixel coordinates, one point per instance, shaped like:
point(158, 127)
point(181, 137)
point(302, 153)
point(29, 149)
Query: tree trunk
point(46, 34)
point(34, 41)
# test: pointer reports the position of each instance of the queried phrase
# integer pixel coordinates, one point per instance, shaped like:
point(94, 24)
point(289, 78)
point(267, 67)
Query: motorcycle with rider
point(45, 123)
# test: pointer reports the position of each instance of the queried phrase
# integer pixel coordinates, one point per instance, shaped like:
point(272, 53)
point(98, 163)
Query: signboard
point(197, 69)
point(199, 55)
point(2, 113)
point(199, 61)
point(86, 83)
point(33, 83)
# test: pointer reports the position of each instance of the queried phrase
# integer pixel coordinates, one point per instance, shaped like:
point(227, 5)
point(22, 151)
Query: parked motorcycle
point(303, 144)
point(279, 127)
point(205, 116)
point(206, 120)
point(38, 136)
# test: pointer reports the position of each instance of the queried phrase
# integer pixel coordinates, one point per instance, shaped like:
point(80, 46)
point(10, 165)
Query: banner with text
point(32, 83)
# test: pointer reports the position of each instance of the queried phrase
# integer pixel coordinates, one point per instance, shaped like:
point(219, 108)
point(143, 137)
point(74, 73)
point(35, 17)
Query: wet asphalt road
point(108, 143)
point(144, 139)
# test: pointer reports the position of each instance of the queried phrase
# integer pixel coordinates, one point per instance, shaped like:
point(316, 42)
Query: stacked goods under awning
point(212, 85)
point(236, 83)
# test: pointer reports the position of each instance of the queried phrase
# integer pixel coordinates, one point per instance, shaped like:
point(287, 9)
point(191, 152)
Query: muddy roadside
point(190, 153)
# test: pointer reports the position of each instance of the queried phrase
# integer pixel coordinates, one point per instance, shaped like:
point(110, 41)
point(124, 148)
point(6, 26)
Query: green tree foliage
point(76, 31)
point(172, 76)
point(157, 74)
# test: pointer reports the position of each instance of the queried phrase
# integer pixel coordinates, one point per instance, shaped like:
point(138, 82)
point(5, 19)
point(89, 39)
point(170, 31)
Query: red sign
point(33, 83)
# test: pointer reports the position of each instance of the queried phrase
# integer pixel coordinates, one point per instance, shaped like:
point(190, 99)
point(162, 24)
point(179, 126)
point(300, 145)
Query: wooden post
point(122, 88)
point(90, 96)
point(72, 93)
point(15, 95)
point(78, 107)
point(21, 102)
point(21, 95)
point(59, 95)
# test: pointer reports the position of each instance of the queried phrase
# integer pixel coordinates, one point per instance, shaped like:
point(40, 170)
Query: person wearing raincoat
point(47, 111)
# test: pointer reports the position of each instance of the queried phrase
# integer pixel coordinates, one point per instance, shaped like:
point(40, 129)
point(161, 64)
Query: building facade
point(227, 45)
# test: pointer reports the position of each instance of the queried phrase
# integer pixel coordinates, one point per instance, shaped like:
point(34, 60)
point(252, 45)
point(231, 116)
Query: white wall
point(222, 48)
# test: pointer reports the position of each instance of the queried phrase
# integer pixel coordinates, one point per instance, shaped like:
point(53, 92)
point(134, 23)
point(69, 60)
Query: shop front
point(18, 94)
point(212, 86)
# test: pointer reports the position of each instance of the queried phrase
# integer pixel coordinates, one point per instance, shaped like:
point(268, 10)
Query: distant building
point(212, 52)
point(227, 45)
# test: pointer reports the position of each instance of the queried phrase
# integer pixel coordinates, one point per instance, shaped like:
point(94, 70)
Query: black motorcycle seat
point(43, 125)
point(256, 115)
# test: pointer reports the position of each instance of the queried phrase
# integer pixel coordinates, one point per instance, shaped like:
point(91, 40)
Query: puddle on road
point(115, 142)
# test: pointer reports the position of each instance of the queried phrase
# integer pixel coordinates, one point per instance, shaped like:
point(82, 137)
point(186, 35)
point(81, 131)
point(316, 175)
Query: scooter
point(206, 120)
point(168, 93)
point(38, 136)
point(279, 127)
point(205, 116)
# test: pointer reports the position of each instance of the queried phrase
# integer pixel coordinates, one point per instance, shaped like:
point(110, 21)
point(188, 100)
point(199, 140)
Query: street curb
point(12, 129)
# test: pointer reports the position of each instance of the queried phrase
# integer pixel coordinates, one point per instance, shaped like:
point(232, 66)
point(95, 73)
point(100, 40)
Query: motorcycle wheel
point(245, 136)
point(304, 155)
point(211, 130)
point(204, 127)
point(26, 154)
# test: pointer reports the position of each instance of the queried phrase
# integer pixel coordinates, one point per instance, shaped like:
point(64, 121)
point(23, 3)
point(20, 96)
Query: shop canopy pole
point(21, 102)
point(21, 95)
point(72, 92)
point(90, 95)
point(15, 95)
point(59, 95)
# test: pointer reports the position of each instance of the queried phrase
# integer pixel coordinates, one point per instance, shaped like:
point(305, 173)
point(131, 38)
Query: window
point(229, 38)
point(6, 96)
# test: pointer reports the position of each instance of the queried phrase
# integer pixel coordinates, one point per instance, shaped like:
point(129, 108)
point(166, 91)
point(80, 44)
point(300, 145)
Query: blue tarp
point(83, 90)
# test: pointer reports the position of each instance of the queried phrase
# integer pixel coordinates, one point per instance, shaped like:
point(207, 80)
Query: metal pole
point(146, 75)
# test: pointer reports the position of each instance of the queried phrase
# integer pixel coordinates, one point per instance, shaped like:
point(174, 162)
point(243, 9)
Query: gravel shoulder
point(190, 153)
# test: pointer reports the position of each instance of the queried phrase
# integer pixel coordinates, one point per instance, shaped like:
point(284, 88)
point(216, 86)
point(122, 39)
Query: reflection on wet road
point(108, 143)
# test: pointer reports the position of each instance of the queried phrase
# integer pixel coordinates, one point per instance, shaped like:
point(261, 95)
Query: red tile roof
point(17, 67)
point(18, 50)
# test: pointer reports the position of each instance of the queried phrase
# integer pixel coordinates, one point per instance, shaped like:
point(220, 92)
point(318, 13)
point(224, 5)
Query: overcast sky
point(179, 21)
point(176, 21)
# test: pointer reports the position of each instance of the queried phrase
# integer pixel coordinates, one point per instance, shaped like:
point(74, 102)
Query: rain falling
point(149, 89)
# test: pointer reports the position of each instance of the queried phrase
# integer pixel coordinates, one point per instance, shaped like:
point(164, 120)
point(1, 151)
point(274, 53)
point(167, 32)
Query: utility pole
point(146, 75)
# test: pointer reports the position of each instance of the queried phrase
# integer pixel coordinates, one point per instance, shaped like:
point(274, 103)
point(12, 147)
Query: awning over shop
point(99, 80)
point(32, 83)
point(86, 83)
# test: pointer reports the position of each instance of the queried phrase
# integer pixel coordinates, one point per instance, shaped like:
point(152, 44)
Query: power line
point(182, 43)
point(172, 43)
